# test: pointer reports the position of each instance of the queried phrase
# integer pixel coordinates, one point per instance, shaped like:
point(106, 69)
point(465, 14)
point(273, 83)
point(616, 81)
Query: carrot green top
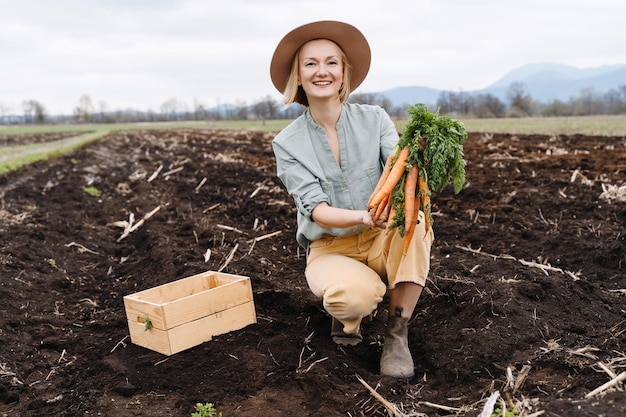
point(441, 161)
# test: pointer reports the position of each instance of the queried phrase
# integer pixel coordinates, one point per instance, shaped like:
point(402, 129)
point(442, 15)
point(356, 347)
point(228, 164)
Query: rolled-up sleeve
point(301, 184)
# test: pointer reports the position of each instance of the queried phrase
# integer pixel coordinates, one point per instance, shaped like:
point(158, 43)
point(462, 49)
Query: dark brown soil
point(528, 269)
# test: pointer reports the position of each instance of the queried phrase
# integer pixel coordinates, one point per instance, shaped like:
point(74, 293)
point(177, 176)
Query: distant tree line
point(518, 103)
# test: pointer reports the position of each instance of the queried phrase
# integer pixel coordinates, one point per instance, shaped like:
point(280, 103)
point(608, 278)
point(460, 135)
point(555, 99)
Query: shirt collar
point(311, 122)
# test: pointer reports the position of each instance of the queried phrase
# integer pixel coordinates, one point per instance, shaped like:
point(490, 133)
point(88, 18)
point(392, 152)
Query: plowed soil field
point(526, 296)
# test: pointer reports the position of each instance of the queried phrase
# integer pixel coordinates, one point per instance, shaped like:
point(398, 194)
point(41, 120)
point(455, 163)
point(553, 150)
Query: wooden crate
point(178, 315)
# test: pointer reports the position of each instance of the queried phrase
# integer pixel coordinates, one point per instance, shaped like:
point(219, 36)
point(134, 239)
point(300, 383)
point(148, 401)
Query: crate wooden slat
point(193, 333)
point(189, 311)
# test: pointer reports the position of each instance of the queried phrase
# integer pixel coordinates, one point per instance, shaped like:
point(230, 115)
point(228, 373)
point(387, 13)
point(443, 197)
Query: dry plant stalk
point(266, 236)
point(256, 191)
point(521, 377)
point(441, 407)
point(612, 193)
point(613, 382)
point(130, 225)
point(607, 369)
point(121, 342)
point(229, 228)
point(490, 404)
point(204, 180)
point(313, 364)
point(618, 329)
point(81, 248)
point(155, 174)
point(173, 171)
point(259, 238)
point(392, 408)
point(585, 351)
point(543, 267)
point(229, 258)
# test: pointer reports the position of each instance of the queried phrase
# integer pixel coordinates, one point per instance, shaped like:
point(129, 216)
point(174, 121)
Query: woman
point(330, 159)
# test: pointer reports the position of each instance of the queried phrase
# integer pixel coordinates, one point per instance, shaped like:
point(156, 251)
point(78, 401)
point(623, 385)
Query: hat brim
point(350, 40)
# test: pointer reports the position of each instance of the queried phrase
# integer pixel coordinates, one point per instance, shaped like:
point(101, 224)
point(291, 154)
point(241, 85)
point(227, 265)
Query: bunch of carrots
point(414, 194)
point(428, 156)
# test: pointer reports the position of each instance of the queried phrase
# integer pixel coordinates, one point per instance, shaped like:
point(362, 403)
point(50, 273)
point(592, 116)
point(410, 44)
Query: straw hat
point(349, 39)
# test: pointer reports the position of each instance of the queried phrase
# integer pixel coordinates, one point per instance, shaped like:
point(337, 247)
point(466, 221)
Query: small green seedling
point(136, 402)
point(509, 413)
point(92, 191)
point(206, 410)
point(148, 323)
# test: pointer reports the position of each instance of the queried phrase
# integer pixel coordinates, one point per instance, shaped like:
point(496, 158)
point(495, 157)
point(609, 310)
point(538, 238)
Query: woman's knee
point(347, 287)
point(352, 301)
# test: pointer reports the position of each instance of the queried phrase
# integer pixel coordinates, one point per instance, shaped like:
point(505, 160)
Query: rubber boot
point(396, 360)
point(342, 338)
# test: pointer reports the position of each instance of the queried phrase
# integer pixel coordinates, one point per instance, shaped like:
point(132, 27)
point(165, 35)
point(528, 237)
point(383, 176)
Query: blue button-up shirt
point(307, 166)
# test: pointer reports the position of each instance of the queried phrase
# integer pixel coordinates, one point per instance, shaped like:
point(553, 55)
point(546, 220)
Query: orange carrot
point(392, 215)
point(424, 193)
point(399, 167)
point(411, 206)
point(381, 208)
point(383, 177)
point(410, 188)
point(385, 214)
point(408, 236)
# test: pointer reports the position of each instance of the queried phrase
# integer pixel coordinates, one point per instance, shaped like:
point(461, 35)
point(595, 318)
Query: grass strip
point(16, 157)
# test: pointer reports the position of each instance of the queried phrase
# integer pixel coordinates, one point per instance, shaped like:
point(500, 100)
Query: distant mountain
point(400, 96)
point(550, 70)
point(544, 82)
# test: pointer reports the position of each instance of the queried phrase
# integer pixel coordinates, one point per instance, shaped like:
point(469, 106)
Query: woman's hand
point(367, 219)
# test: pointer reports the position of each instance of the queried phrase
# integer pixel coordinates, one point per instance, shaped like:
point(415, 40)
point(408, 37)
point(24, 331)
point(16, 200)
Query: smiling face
point(320, 67)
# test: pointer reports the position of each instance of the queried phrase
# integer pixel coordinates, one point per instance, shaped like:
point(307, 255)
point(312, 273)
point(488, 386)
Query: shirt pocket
point(372, 174)
point(365, 185)
point(328, 189)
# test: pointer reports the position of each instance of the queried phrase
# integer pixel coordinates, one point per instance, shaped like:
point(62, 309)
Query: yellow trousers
point(352, 274)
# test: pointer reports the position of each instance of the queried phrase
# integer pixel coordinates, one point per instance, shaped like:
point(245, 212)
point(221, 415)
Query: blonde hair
point(294, 93)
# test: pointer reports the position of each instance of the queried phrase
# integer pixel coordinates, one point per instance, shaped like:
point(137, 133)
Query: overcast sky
point(139, 53)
